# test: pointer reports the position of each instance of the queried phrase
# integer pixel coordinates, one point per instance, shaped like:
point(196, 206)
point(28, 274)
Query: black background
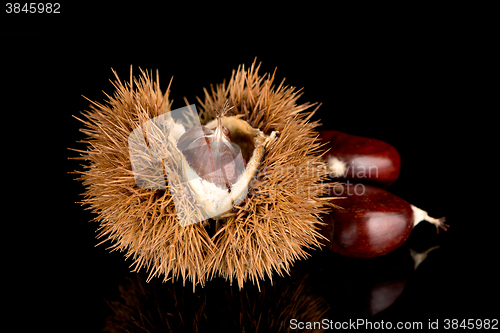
point(399, 79)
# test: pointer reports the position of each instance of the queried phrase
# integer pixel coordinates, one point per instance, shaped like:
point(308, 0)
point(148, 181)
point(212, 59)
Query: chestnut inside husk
point(218, 171)
point(216, 162)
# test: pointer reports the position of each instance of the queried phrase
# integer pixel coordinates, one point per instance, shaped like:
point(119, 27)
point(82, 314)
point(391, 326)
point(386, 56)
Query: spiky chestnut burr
point(265, 233)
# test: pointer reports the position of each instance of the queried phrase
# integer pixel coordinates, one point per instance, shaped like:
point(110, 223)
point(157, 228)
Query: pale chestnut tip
point(336, 167)
point(420, 215)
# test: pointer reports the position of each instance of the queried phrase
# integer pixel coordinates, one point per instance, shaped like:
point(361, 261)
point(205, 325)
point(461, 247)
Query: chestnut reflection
point(325, 286)
point(364, 287)
point(218, 307)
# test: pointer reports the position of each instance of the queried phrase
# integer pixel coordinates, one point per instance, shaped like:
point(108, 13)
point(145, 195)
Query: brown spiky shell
point(263, 234)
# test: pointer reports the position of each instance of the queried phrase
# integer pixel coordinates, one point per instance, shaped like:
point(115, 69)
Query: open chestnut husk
point(372, 221)
point(152, 197)
point(361, 159)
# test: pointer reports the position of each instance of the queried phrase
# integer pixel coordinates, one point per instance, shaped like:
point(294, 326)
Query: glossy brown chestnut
point(362, 159)
point(372, 221)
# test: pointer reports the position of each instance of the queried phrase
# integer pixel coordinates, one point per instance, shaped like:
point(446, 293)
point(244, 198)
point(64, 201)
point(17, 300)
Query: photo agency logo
point(159, 162)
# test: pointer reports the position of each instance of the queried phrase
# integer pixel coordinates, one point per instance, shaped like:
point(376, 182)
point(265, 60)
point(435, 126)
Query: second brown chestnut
point(361, 159)
point(371, 221)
